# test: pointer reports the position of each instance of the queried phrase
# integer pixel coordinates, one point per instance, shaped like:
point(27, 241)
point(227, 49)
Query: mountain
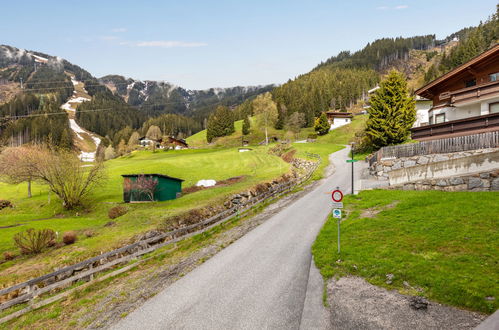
point(156, 97)
point(112, 106)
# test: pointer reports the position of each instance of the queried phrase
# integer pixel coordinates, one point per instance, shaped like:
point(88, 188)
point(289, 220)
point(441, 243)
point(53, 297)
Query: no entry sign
point(337, 196)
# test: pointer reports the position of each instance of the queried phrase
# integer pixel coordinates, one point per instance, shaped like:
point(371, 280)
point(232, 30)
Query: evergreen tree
point(321, 124)
point(392, 112)
point(281, 116)
point(66, 141)
point(246, 126)
point(220, 123)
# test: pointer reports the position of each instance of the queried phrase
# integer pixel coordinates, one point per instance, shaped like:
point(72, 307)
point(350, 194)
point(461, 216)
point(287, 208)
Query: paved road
point(260, 281)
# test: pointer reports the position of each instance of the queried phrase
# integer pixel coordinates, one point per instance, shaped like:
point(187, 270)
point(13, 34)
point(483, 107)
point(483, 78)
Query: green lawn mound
point(441, 245)
point(94, 236)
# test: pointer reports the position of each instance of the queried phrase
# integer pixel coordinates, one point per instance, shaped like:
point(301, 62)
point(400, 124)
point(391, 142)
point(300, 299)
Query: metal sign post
point(337, 197)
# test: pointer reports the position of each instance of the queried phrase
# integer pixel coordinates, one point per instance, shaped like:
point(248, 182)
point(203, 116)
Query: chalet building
point(465, 100)
point(178, 143)
point(338, 119)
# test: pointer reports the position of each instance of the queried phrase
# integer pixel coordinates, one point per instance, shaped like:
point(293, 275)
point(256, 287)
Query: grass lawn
point(445, 245)
point(190, 165)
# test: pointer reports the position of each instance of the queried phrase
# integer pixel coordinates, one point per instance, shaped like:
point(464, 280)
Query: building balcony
point(474, 93)
point(467, 126)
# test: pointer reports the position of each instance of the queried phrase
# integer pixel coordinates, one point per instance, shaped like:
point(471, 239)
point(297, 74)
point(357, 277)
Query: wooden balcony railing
point(470, 125)
point(474, 93)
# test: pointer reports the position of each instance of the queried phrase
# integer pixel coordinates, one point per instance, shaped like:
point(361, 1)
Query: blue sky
point(202, 44)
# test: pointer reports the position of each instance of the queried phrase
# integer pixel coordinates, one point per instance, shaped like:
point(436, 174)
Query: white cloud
point(168, 44)
point(119, 30)
point(399, 7)
point(108, 38)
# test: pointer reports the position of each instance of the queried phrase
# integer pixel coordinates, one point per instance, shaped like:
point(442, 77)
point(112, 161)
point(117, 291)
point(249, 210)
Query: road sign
point(337, 205)
point(337, 196)
point(352, 160)
point(337, 213)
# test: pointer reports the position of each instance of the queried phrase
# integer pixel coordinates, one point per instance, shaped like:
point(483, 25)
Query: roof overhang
point(466, 67)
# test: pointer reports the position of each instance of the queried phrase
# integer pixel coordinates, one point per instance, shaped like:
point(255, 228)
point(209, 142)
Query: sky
point(204, 44)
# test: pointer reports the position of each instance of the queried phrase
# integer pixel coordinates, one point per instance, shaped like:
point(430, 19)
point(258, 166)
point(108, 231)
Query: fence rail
point(454, 144)
point(86, 269)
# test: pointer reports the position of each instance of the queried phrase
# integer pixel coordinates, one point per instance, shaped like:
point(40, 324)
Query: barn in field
point(150, 187)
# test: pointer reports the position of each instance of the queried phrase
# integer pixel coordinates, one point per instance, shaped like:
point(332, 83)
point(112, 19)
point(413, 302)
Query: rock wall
point(381, 168)
point(485, 181)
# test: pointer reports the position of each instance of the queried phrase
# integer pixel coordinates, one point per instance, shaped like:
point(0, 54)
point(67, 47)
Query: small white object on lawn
point(206, 183)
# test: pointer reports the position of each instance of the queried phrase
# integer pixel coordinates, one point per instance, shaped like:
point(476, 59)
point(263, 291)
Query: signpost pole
point(352, 170)
point(339, 236)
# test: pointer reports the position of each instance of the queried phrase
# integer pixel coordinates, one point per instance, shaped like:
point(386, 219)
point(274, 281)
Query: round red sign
point(337, 196)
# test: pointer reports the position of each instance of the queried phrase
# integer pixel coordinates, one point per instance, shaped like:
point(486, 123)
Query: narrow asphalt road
point(261, 281)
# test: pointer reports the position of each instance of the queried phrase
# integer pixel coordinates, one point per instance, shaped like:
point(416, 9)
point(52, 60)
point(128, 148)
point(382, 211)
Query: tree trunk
point(29, 188)
point(266, 134)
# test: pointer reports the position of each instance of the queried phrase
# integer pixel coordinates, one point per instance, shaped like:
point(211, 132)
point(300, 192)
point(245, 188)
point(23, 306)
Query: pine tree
point(246, 126)
point(321, 124)
point(392, 112)
point(220, 123)
point(66, 141)
point(281, 116)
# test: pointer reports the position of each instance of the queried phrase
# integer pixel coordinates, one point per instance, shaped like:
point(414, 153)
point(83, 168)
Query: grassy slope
point(445, 244)
point(191, 165)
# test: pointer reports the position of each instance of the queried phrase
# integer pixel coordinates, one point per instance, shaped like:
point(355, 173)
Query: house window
point(494, 107)
point(440, 118)
point(494, 76)
point(470, 83)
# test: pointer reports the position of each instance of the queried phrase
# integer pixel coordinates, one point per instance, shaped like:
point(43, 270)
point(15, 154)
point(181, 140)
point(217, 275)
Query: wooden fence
point(86, 270)
point(454, 144)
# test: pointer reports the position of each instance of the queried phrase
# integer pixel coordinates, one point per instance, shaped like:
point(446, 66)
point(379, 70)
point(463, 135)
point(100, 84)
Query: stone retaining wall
point(381, 168)
point(485, 181)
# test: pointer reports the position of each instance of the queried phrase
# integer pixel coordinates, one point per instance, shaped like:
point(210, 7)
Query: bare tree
point(17, 165)
point(63, 172)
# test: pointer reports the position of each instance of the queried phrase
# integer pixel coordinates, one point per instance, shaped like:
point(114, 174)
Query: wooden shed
point(150, 187)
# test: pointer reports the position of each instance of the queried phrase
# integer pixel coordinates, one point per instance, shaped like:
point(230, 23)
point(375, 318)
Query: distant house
point(178, 143)
point(465, 100)
point(150, 187)
point(337, 119)
point(145, 142)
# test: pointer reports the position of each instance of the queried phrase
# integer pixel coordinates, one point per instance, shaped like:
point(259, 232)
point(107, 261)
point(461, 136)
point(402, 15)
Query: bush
point(312, 137)
point(33, 241)
point(69, 237)
point(116, 212)
point(5, 203)
point(8, 256)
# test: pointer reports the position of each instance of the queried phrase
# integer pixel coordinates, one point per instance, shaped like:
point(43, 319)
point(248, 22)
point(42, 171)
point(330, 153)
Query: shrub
point(8, 256)
point(312, 137)
point(89, 233)
point(117, 211)
point(5, 203)
point(69, 237)
point(32, 241)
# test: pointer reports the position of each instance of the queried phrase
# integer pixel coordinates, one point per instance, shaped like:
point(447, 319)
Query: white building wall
point(338, 122)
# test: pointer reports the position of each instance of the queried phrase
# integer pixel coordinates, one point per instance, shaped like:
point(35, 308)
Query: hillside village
point(128, 203)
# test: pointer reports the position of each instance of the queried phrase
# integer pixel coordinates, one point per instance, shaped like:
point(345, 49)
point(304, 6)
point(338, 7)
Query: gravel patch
point(356, 304)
